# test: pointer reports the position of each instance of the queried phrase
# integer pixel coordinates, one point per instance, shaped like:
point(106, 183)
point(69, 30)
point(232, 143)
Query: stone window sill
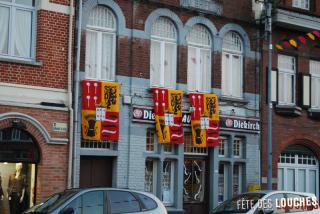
point(21, 61)
point(314, 113)
point(288, 110)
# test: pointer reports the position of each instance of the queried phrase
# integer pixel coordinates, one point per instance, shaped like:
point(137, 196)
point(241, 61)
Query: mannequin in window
point(16, 190)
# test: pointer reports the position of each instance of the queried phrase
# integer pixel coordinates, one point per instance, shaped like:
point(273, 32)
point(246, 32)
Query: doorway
point(95, 171)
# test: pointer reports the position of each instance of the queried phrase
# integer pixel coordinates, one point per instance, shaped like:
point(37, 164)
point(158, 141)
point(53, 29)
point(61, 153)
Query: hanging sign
point(100, 110)
point(205, 124)
point(168, 115)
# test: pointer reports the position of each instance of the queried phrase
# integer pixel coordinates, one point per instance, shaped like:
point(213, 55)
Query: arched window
point(199, 59)
point(163, 53)
point(101, 44)
point(298, 170)
point(232, 65)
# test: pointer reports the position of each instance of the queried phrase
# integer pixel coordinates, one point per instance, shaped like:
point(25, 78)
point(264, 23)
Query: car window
point(148, 203)
point(298, 203)
point(123, 202)
point(76, 205)
point(93, 202)
point(275, 200)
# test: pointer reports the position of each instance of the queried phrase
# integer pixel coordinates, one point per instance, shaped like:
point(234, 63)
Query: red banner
point(205, 122)
point(168, 115)
point(100, 110)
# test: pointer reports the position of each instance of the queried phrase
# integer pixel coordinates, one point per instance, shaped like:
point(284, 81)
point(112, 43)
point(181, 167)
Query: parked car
point(99, 201)
point(270, 202)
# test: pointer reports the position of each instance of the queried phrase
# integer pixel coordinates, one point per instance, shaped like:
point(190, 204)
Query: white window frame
point(12, 10)
point(302, 4)
point(288, 74)
point(154, 174)
point(163, 42)
point(227, 72)
point(223, 147)
point(315, 84)
point(296, 167)
point(171, 191)
point(238, 143)
point(99, 31)
point(198, 74)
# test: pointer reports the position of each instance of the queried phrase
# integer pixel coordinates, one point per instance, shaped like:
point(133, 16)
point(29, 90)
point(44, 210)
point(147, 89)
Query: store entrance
point(95, 171)
point(19, 156)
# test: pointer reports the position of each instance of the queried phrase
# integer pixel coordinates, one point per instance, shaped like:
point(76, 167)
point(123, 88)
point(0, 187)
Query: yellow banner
point(163, 131)
point(110, 94)
point(175, 102)
point(211, 107)
point(91, 128)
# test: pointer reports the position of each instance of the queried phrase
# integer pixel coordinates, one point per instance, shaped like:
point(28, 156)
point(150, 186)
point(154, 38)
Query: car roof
point(267, 192)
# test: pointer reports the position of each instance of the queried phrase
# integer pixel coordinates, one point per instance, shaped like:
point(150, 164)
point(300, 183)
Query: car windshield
point(53, 202)
point(239, 204)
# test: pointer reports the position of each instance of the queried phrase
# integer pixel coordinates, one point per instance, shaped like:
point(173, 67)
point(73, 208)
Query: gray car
point(99, 201)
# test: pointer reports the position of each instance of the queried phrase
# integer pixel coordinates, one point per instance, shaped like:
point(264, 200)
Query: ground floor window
point(298, 170)
point(237, 179)
point(168, 182)
point(19, 155)
point(150, 176)
point(194, 180)
point(222, 182)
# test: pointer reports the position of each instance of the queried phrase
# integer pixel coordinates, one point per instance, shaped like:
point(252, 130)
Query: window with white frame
point(315, 84)
point(232, 65)
point(199, 59)
point(286, 79)
point(302, 4)
point(223, 148)
point(101, 44)
point(150, 141)
point(237, 179)
point(150, 175)
point(237, 147)
point(17, 21)
point(168, 182)
point(163, 53)
point(190, 149)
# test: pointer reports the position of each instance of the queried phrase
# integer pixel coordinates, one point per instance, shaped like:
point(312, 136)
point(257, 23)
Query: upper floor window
point(237, 147)
point(315, 84)
point(199, 59)
point(17, 28)
point(101, 44)
point(286, 79)
point(163, 53)
point(232, 65)
point(302, 4)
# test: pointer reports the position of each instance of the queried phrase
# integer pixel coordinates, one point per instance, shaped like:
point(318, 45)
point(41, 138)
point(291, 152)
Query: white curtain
point(289, 80)
point(91, 54)
point(22, 40)
point(170, 65)
point(4, 29)
point(155, 66)
point(192, 68)
point(205, 74)
point(236, 73)
point(226, 77)
point(281, 87)
point(315, 89)
point(108, 58)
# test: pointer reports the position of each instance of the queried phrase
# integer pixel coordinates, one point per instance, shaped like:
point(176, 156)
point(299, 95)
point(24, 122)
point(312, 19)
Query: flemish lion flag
point(205, 122)
point(168, 115)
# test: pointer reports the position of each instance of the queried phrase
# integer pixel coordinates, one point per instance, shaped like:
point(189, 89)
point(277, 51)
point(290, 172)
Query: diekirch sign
point(145, 114)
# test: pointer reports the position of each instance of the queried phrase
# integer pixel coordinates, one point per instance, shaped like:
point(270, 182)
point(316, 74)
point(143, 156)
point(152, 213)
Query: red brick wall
point(52, 50)
point(53, 166)
point(140, 49)
point(289, 130)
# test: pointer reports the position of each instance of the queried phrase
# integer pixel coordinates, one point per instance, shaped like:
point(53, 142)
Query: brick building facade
point(34, 97)
point(134, 35)
point(295, 132)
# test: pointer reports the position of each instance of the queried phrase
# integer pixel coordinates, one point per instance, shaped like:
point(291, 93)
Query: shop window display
point(17, 187)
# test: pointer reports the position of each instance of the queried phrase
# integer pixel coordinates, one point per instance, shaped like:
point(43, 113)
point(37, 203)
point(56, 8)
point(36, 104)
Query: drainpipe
point(70, 42)
point(76, 132)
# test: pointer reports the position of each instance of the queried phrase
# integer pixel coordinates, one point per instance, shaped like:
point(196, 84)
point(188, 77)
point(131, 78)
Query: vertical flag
point(110, 94)
point(168, 115)
point(100, 110)
point(205, 124)
point(91, 98)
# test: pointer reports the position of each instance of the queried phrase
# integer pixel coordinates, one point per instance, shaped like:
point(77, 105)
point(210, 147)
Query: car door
point(301, 208)
point(272, 202)
point(89, 202)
